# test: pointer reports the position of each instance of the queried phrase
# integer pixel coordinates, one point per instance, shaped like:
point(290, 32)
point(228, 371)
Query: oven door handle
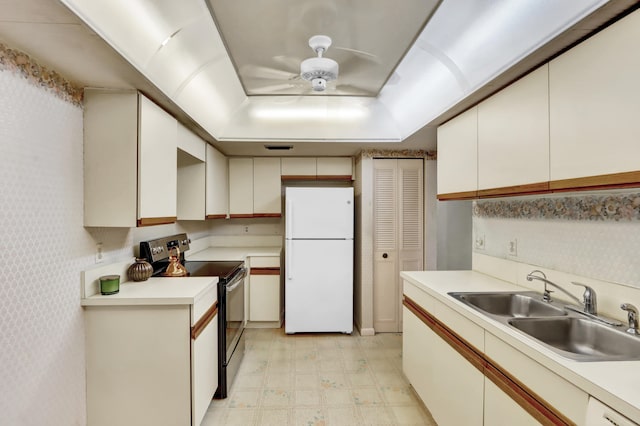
point(236, 281)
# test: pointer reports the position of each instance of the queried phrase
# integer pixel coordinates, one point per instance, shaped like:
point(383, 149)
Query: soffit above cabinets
point(174, 52)
point(267, 41)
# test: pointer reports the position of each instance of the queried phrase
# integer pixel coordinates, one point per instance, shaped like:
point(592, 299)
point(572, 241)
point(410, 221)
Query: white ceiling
point(268, 41)
point(467, 50)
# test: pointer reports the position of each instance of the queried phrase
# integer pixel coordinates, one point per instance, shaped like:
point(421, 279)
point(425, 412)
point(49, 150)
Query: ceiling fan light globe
point(319, 84)
point(319, 68)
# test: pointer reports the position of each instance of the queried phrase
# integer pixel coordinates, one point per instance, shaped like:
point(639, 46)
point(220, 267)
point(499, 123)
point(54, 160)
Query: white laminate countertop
point(616, 383)
point(156, 291)
point(233, 253)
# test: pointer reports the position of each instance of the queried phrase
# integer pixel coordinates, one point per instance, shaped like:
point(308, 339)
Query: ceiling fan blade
point(360, 53)
point(262, 72)
point(288, 62)
point(275, 88)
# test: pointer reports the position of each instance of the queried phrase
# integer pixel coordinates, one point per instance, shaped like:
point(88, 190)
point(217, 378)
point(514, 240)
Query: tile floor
point(319, 380)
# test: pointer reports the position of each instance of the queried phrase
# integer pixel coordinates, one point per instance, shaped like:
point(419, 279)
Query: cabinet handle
point(385, 255)
point(204, 321)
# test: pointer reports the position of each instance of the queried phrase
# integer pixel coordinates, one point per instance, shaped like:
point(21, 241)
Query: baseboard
point(367, 332)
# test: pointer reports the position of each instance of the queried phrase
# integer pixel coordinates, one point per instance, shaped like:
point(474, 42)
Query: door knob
point(385, 255)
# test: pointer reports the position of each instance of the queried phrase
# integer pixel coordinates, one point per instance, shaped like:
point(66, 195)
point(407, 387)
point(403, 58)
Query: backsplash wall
point(45, 246)
point(589, 234)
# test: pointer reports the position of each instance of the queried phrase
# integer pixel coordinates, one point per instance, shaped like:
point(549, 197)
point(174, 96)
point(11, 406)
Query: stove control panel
point(162, 248)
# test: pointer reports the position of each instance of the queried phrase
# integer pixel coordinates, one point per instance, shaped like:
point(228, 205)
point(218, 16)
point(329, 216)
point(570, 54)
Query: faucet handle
point(588, 298)
point(632, 313)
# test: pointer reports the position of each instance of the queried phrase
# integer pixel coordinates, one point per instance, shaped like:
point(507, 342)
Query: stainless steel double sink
point(564, 331)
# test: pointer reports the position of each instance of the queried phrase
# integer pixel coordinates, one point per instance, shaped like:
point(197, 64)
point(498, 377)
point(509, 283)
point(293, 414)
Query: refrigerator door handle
point(289, 218)
point(289, 260)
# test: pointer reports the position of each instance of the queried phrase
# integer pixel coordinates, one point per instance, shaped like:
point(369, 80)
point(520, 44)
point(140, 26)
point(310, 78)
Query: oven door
point(235, 319)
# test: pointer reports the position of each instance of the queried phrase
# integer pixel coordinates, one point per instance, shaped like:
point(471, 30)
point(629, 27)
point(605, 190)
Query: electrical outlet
point(246, 229)
point(479, 242)
point(99, 253)
point(513, 247)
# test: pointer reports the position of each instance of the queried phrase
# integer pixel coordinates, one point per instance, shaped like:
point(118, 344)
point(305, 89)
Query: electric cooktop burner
point(223, 270)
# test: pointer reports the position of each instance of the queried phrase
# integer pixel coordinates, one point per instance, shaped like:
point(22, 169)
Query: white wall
point(45, 246)
point(595, 235)
point(454, 235)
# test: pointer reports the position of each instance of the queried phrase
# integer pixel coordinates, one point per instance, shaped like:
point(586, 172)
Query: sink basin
point(510, 304)
point(581, 339)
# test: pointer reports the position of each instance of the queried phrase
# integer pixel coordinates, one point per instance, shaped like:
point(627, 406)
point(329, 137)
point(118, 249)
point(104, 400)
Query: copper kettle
point(175, 269)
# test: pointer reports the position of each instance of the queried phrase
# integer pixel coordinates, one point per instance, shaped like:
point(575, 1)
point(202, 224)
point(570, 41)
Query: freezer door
point(319, 213)
point(319, 286)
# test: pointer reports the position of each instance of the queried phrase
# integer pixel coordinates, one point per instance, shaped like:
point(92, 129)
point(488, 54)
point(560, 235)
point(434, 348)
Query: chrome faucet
point(589, 302)
point(632, 313)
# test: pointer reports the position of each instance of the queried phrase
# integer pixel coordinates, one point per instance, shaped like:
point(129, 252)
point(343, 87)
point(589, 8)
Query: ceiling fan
point(318, 70)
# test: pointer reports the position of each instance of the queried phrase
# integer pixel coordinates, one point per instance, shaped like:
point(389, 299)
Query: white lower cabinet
point(501, 410)
point(151, 365)
point(451, 388)
point(265, 291)
point(558, 392)
point(467, 376)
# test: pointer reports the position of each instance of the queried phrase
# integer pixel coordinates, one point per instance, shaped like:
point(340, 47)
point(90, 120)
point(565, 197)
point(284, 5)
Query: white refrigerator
point(319, 260)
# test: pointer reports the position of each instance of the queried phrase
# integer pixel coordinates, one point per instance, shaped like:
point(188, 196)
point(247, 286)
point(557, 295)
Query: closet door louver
point(385, 215)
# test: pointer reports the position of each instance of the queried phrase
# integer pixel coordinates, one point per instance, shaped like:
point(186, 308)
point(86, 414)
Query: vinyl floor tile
point(320, 380)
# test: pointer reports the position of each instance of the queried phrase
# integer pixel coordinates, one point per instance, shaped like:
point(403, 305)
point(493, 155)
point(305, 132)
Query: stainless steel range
point(163, 253)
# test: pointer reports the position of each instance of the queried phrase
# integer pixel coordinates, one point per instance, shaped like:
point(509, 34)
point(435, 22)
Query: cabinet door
point(241, 187)
point(157, 158)
point(298, 167)
point(333, 167)
point(204, 371)
point(513, 136)
point(264, 298)
point(217, 184)
point(451, 388)
point(594, 103)
point(501, 410)
point(267, 187)
point(458, 156)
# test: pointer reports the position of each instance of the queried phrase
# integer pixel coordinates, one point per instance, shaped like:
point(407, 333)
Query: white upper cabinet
point(157, 159)
point(241, 187)
point(595, 107)
point(130, 157)
point(191, 175)
point(458, 156)
point(267, 186)
point(312, 168)
point(513, 136)
point(334, 167)
point(298, 166)
point(217, 184)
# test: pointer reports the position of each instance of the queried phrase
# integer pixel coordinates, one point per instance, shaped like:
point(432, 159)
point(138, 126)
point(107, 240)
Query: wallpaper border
point(20, 63)
point(609, 207)
point(401, 153)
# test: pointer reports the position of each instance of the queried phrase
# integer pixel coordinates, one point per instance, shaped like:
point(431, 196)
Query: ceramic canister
point(110, 284)
point(141, 270)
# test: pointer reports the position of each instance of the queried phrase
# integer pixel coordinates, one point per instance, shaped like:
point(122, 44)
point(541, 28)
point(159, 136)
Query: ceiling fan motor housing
point(324, 68)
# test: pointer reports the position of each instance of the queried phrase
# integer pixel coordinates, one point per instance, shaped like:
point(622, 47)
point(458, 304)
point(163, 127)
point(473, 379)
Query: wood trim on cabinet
point(204, 321)
point(298, 177)
point(613, 180)
point(241, 216)
point(467, 195)
point(149, 221)
point(265, 271)
point(345, 178)
point(267, 215)
point(532, 403)
point(334, 177)
point(216, 216)
point(526, 189)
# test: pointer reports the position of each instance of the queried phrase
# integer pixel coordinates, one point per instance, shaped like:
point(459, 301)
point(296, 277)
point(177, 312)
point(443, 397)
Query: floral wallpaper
point(22, 64)
point(608, 207)
point(403, 153)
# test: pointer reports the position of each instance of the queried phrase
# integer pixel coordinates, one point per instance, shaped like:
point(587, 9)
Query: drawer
point(204, 302)
point(264, 261)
